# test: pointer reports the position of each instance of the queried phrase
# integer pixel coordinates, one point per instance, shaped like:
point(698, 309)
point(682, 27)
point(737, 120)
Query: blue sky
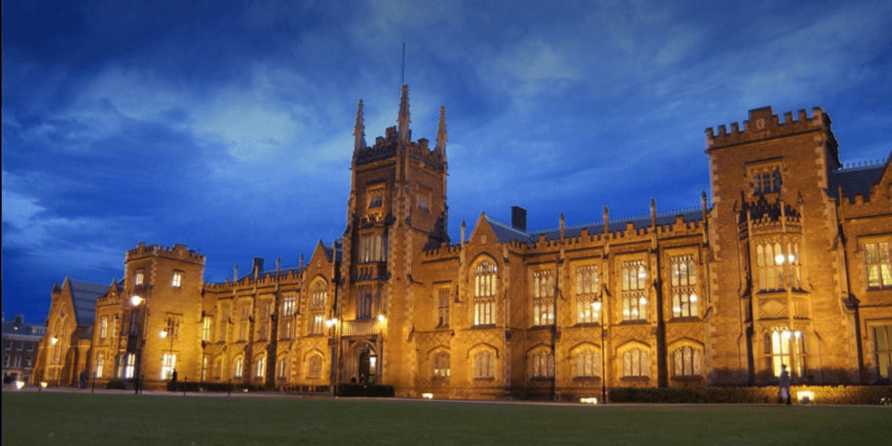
point(227, 126)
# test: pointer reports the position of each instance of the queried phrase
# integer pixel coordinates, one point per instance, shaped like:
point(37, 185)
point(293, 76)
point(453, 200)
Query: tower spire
point(403, 118)
point(441, 133)
point(359, 129)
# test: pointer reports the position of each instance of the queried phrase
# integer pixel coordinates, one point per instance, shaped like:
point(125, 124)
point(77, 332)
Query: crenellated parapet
point(175, 252)
point(763, 124)
point(263, 279)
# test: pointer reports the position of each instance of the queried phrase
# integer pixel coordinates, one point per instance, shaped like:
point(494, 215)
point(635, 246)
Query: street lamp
point(54, 340)
point(136, 301)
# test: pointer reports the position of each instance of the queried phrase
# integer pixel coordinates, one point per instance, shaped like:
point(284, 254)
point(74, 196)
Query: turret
point(403, 120)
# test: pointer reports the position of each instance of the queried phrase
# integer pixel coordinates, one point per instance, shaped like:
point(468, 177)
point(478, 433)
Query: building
point(788, 265)
point(19, 349)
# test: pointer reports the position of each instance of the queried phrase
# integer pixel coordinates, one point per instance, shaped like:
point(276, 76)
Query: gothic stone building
point(788, 266)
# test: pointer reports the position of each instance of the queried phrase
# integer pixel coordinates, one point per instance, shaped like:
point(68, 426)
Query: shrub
point(365, 390)
point(822, 394)
point(116, 383)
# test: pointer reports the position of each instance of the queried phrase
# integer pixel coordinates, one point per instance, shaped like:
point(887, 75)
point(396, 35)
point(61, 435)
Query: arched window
point(260, 366)
point(588, 291)
point(314, 366)
point(218, 368)
point(204, 367)
point(686, 361)
point(543, 297)
point(774, 264)
point(683, 286)
point(636, 363)
point(541, 364)
point(485, 293)
point(318, 297)
point(282, 369)
point(441, 365)
point(784, 347)
point(100, 364)
point(238, 367)
point(634, 290)
point(484, 364)
point(586, 362)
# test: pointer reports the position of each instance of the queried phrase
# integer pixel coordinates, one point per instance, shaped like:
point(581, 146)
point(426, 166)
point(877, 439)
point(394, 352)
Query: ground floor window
point(100, 364)
point(785, 349)
point(238, 367)
point(882, 337)
point(260, 367)
point(686, 361)
point(314, 367)
point(636, 363)
point(542, 364)
point(168, 364)
point(281, 368)
point(441, 365)
point(204, 367)
point(484, 364)
point(130, 367)
point(586, 363)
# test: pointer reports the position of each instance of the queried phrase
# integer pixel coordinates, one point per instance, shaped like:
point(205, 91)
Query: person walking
point(784, 386)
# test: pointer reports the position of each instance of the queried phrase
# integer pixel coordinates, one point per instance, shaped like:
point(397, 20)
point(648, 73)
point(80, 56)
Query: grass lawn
point(104, 419)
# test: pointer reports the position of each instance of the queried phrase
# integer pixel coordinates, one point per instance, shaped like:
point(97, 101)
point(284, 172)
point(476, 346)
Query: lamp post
point(168, 333)
point(136, 301)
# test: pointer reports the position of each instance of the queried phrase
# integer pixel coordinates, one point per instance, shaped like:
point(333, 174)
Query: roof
point(84, 295)
point(505, 233)
point(18, 328)
point(854, 181)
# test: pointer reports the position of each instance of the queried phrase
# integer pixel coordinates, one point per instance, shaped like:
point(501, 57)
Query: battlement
point(763, 124)
point(387, 147)
point(175, 252)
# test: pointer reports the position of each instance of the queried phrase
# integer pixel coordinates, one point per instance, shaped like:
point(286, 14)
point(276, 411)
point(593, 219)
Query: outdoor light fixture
point(779, 259)
point(642, 300)
point(805, 397)
point(19, 385)
point(43, 384)
point(427, 396)
point(136, 300)
point(596, 305)
point(54, 340)
point(330, 323)
point(589, 400)
point(163, 333)
point(382, 318)
point(791, 258)
point(693, 298)
point(797, 334)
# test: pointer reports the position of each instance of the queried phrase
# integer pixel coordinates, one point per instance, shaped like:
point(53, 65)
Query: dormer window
point(139, 278)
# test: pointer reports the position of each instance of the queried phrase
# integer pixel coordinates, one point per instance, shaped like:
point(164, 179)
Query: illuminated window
point(371, 248)
point(588, 291)
point(586, 362)
point(772, 261)
point(168, 365)
point(364, 304)
point(177, 280)
point(484, 364)
point(103, 327)
point(441, 365)
point(541, 364)
point(318, 297)
point(204, 367)
point(289, 309)
point(100, 364)
point(442, 307)
point(207, 325)
point(684, 285)
point(879, 264)
point(260, 367)
point(139, 278)
point(244, 324)
point(636, 363)
point(282, 368)
point(882, 338)
point(130, 365)
point(314, 367)
point(686, 361)
point(263, 319)
point(485, 293)
point(785, 347)
point(543, 297)
point(238, 367)
point(634, 291)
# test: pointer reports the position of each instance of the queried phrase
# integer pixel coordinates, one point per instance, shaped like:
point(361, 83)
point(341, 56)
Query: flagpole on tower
point(403, 67)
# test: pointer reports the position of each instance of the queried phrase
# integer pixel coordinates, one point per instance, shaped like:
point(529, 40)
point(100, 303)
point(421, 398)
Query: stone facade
point(787, 266)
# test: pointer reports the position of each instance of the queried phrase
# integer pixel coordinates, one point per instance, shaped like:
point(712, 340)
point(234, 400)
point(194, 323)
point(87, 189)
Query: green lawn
point(103, 419)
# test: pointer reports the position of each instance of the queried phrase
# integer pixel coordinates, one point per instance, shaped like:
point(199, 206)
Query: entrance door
point(368, 365)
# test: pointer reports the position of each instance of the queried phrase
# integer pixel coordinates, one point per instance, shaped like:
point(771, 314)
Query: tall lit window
point(879, 264)
point(318, 296)
point(100, 364)
point(636, 363)
point(207, 325)
point(684, 286)
point(485, 293)
point(130, 365)
point(364, 304)
point(177, 280)
point(541, 364)
point(543, 297)
point(586, 362)
point(773, 261)
point(441, 365)
point(260, 367)
point(282, 368)
point(484, 364)
point(288, 312)
point(588, 291)
point(785, 347)
point(225, 315)
point(238, 367)
point(244, 323)
point(168, 364)
point(204, 367)
point(314, 366)
point(443, 307)
point(371, 248)
point(882, 338)
point(634, 290)
point(264, 310)
point(103, 327)
point(139, 278)
point(686, 361)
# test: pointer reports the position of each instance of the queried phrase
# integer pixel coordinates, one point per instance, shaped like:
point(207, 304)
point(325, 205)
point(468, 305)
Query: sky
point(227, 126)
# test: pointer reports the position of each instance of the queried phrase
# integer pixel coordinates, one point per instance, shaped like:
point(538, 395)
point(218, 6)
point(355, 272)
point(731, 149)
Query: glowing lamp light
point(136, 300)
point(694, 298)
point(642, 300)
point(596, 305)
point(382, 318)
point(797, 334)
point(805, 397)
point(427, 396)
point(163, 333)
point(54, 340)
point(779, 259)
point(43, 384)
point(19, 385)
point(791, 258)
point(589, 400)
point(330, 323)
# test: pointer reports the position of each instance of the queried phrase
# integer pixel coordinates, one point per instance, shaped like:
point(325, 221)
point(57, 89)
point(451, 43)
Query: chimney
point(258, 266)
point(519, 218)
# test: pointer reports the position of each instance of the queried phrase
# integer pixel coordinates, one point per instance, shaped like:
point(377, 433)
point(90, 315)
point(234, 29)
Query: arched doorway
point(367, 364)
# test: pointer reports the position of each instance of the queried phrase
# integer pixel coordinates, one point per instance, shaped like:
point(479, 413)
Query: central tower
point(396, 208)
